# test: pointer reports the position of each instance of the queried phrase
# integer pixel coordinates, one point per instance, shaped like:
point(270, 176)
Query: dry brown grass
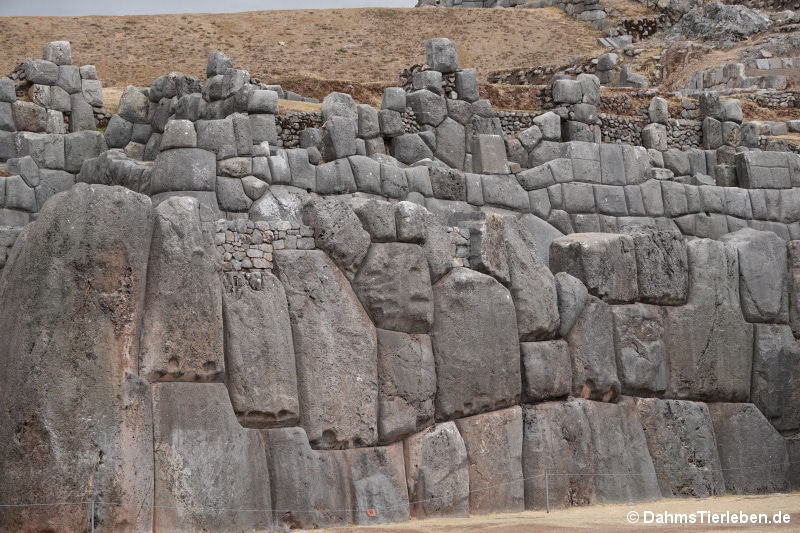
point(608, 518)
point(288, 106)
point(137, 49)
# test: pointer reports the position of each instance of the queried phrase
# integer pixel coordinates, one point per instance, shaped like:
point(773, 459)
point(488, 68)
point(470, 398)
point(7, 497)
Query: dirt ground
point(302, 49)
point(609, 518)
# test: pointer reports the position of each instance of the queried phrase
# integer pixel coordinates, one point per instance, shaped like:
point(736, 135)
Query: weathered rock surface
point(474, 316)
point(310, 487)
point(394, 286)
point(532, 285)
point(604, 262)
point(494, 452)
point(557, 439)
point(335, 350)
point(182, 331)
point(259, 353)
point(775, 388)
point(72, 403)
point(377, 479)
point(752, 453)
point(546, 370)
point(661, 265)
point(210, 473)
point(681, 441)
point(591, 346)
point(640, 350)
point(709, 344)
point(762, 274)
point(407, 379)
point(572, 298)
point(338, 232)
point(437, 472)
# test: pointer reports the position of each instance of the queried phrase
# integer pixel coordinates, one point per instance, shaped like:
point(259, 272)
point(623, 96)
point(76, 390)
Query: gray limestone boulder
point(775, 388)
point(218, 63)
point(658, 110)
point(58, 52)
point(338, 232)
point(437, 472)
point(487, 249)
point(557, 439)
point(532, 285)
point(309, 488)
point(178, 134)
point(407, 380)
point(338, 138)
point(572, 298)
point(280, 203)
point(683, 448)
point(546, 370)
point(640, 350)
point(394, 287)
point(793, 268)
point(377, 478)
point(208, 469)
point(429, 108)
point(80, 146)
point(259, 353)
point(366, 173)
point(543, 234)
point(118, 132)
point(231, 196)
point(763, 285)
point(467, 84)
point(661, 264)
point(441, 54)
point(620, 451)
point(335, 350)
point(133, 105)
point(217, 136)
point(339, 105)
point(377, 217)
point(494, 452)
point(184, 169)
point(450, 143)
point(474, 315)
point(489, 154)
point(182, 330)
point(550, 125)
point(72, 304)
point(368, 123)
point(709, 344)
point(752, 453)
point(409, 148)
point(654, 137)
point(40, 71)
point(591, 346)
point(567, 91)
point(604, 262)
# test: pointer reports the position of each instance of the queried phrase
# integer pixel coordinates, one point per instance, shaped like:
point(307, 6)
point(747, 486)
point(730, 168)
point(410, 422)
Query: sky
point(149, 7)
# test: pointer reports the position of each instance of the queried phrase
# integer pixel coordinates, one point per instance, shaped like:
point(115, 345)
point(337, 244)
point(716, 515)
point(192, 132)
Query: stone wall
point(317, 319)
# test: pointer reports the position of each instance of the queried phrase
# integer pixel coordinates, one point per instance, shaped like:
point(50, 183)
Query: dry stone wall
point(318, 319)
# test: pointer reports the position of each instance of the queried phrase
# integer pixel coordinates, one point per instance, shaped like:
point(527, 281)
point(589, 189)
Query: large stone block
point(763, 286)
point(309, 488)
point(377, 478)
point(775, 388)
point(763, 170)
point(184, 169)
point(217, 136)
point(259, 353)
point(80, 146)
point(429, 107)
point(339, 105)
point(489, 154)
point(604, 262)
point(450, 143)
point(752, 453)
point(46, 149)
point(182, 331)
point(437, 472)
point(338, 138)
point(591, 345)
point(210, 473)
point(72, 296)
point(572, 298)
point(709, 344)
point(546, 370)
point(532, 285)
point(661, 264)
point(494, 452)
point(338, 232)
point(441, 54)
point(793, 268)
point(335, 350)
point(639, 345)
point(681, 441)
point(394, 287)
point(474, 315)
point(407, 379)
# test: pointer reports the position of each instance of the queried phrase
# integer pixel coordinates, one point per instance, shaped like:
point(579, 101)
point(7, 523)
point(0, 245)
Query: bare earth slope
point(137, 49)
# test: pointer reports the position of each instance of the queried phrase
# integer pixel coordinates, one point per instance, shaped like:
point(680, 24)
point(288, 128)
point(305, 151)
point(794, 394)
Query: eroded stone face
point(494, 451)
point(206, 465)
point(437, 472)
point(640, 350)
point(473, 317)
point(182, 331)
point(591, 346)
point(73, 405)
point(683, 448)
point(335, 350)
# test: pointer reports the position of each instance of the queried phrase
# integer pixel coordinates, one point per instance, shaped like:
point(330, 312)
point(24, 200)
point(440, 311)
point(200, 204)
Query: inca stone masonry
point(408, 316)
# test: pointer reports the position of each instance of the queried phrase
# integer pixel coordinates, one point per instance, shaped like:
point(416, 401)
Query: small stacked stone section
point(247, 246)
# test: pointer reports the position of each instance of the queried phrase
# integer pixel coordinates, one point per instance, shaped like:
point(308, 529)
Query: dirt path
point(610, 518)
